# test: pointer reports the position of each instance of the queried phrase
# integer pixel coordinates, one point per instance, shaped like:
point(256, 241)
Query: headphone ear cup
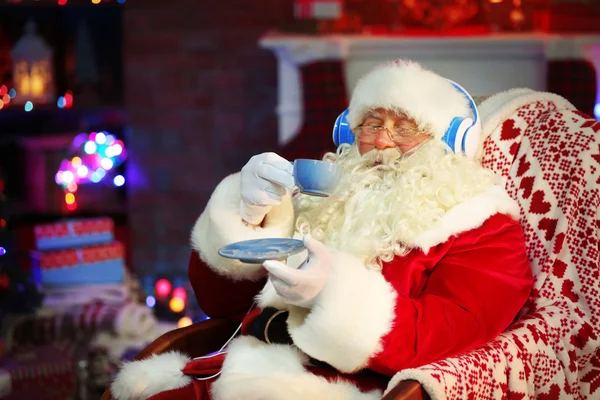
point(341, 130)
point(336, 130)
point(472, 140)
point(450, 137)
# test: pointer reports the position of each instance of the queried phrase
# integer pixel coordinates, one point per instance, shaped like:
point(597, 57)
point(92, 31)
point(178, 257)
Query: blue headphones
point(462, 136)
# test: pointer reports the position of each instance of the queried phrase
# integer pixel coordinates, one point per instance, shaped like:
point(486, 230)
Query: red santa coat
point(462, 285)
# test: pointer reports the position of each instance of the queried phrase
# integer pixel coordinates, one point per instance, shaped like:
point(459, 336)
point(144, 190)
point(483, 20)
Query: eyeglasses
point(368, 133)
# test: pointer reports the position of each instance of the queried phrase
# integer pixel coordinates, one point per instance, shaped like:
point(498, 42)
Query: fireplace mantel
point(483, 64)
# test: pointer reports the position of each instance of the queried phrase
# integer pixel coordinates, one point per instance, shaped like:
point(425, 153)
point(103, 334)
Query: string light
point(180, 293)
point(69, 198)
point(176, 304)
point(2, 251)
point(150, 301)
point(162, 287)
point(183, 322)
point(99, 154)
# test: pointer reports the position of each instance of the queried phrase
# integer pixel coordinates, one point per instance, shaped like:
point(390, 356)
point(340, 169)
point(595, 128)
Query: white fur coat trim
point(142, 379)
point(254, 370)
point(469, 215)
point(432, 101)
point(343, 328)
point(220, 224)
point(429, 384)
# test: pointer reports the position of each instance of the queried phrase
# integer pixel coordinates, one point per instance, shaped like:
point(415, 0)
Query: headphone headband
point(463, 134)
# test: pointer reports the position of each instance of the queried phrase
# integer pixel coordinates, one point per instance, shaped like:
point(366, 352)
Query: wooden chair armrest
point(195, 340)
point(407, 390)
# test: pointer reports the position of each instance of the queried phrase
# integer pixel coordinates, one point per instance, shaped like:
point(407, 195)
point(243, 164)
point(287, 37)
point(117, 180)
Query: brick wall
point(201, 99)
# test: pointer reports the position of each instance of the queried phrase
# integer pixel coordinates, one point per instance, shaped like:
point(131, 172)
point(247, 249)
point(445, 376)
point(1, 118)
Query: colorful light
point(597, 111)
point(68, 99)
point(62, 2)
point(67, 177)
point(61, 103)
point(100, 138)
point(150, 301)
point(162, 287)
point(119, 180)
point(114, 150)
point(2, 251)
point(106, 163)
point(70, 198)
point(90, 147)
point(82, 171)
point(12, 93)
point(99, 153)
point(95, 177)
point(3, 90)
point(176, 304)
point(28, 106)
point(72, 207)
point(2, 223)
point(180, 293)
point(72, 187)
point(183, 322)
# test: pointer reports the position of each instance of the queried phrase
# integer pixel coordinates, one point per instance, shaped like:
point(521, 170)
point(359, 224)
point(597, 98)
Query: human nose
point(383, 140)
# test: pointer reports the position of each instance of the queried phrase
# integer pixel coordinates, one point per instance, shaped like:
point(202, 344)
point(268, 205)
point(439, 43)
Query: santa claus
point(416, 256)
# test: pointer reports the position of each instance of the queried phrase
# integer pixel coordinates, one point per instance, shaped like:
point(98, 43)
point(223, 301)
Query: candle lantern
point(33, 75)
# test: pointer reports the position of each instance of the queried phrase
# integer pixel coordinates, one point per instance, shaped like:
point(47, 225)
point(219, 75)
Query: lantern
point(33, 75)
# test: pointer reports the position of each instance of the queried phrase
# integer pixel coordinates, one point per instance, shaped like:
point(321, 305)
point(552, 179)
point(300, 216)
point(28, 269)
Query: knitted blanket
point(549, 156)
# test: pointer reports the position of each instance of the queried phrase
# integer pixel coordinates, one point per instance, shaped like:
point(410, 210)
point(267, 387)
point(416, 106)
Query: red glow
point(6, 99)
point(68, 97)
point(72, 206)
point(180, 293)
point(62, 2)
point(3, 90)
point(163, 287)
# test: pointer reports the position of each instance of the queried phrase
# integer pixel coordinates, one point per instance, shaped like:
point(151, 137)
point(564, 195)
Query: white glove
point(301, 286)
point(264, 181)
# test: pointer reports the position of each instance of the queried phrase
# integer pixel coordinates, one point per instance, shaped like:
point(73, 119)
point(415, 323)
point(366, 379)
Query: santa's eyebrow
point(374, 114)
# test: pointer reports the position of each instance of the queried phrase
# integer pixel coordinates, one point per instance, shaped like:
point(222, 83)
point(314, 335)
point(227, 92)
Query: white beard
point(385, 200)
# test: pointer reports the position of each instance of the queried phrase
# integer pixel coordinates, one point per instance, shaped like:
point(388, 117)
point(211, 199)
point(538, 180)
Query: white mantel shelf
point(484, 64)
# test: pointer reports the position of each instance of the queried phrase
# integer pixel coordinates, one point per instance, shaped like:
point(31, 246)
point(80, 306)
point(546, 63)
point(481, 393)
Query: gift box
point(74, 233)
point(42, 373)
point(100, 264)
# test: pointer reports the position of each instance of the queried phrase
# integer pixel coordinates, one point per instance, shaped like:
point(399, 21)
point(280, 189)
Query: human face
point(385, 129)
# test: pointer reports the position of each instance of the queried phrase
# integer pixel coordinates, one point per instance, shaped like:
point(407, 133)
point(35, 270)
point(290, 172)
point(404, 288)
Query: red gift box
point(43, 373)
point(100, 264)
point(74, 233)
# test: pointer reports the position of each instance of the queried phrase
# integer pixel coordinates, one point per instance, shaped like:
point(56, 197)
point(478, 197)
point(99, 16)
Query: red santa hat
point(431, 100)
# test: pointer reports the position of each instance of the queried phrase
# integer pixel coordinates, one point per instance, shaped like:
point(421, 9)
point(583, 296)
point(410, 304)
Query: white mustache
point(382, 157)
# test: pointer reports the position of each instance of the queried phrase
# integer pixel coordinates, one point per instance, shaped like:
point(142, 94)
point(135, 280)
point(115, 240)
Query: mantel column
point(291, 56)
